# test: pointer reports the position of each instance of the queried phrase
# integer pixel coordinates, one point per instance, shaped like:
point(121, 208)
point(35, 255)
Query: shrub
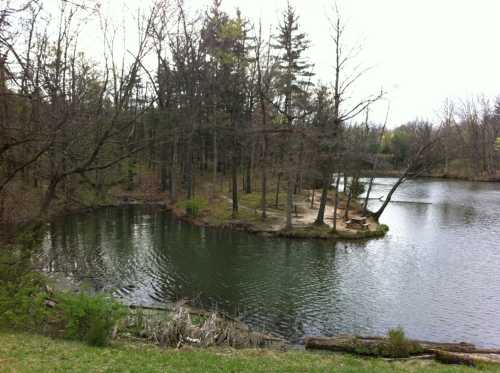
point(395, 345)
point(398, 345)
point(194, 206)
point(22, 291)
point(22, 302)
point(89, 318)
point(27, 304)
point(383, 228)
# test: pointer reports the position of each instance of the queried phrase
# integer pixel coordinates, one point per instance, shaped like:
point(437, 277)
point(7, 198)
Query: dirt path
point(306, 216)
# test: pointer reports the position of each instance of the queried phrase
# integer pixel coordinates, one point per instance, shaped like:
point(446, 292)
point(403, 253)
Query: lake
point(436, 273)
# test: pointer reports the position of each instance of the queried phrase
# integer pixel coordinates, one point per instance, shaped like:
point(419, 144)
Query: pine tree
point(292, 83)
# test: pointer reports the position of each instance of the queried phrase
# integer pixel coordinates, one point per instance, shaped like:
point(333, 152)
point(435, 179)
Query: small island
point(215, 210)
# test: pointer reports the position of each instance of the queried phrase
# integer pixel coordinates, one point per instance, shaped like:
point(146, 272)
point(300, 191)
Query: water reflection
point(437, 273)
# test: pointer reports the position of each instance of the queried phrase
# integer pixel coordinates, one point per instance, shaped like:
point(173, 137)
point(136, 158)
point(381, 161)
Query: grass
point(33, 353)
point(216, 211)
point(254, 200)
point(325, 232)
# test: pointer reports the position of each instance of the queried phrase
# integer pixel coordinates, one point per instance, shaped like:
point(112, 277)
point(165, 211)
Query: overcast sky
point(420, 51)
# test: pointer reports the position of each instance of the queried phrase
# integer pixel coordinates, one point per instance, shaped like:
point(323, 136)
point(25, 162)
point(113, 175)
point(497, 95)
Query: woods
point(202, 102)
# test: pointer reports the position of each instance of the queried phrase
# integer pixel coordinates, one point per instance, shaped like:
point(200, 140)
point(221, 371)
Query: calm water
point(437, 273)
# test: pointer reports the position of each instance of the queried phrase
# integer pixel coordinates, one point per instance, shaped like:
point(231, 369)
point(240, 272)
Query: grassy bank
point(214, 209)
point(33, 353)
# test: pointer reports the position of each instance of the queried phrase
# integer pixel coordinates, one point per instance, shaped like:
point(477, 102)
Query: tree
point(346, 75)
point(424, 140)
point(292, 82)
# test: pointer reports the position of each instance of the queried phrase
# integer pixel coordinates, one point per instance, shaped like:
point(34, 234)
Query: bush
point(89, 318)
point(383, 228)
point(398, 346)
point(22, 291)
point(28, 304)
point(194, 206)
point(22, 302)
point(395, 345)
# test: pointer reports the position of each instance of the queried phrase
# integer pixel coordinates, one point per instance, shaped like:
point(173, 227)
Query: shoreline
point(136, 356)
point(161, 199)
point(443, 176)
point(303, 233)
point(217, 215)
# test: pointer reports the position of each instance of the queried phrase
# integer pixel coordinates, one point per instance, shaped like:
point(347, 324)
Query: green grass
point(32, 353)
point(217, 212)
point(325, 232)
point(254, 200)
point(220, 212)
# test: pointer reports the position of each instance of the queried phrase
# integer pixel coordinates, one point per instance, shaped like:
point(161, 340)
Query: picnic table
point(357, 223)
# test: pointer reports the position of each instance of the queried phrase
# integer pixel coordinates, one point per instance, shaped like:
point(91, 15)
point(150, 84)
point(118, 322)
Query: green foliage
point(89, 318)
point(90, 197)
point(232, 29)
point(400, 144)
point(231, 33)
point(25, 296)
point(383, 228)
point(28, 353)
point(22, 300)
point(194, 206)
point(22, 291)
point(395, 345)
point(398, 345)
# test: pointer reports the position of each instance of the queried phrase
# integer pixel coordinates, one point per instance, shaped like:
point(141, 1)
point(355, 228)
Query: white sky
point(421, 51)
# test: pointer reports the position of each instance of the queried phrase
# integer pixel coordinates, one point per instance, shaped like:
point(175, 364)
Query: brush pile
point(182, 327)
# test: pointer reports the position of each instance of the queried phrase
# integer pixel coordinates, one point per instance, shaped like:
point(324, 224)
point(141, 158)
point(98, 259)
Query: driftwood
point(204, 313)
point(348, 343)
point(465, 358)
point(451, 353)
point(427, 346)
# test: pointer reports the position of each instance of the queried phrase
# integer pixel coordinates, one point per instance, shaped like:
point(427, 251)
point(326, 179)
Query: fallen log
point(429, 347)
point(339, 343)
point(372, 346)
point(473, 359)
point(357, 344)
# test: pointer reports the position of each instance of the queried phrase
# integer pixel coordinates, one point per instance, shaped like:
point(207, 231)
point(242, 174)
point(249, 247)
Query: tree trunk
point(49, 195)
point(248, 181)
point(349, 198)
point(173, 172)
point(355, 344)
point(189, 171)
point(214, 175)
point(234, 177)
point(289, 198)
point(336, 203)
point(130, 174)
point(389, 196)
point(320, 219)
point(298, 181)
point(469, 359)
point(264, 179)
point(163, 168)
point(278, 190)
point(365, 205)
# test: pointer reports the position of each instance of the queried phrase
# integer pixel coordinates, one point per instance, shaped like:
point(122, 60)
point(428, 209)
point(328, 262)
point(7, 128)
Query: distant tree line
point(468, 134)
